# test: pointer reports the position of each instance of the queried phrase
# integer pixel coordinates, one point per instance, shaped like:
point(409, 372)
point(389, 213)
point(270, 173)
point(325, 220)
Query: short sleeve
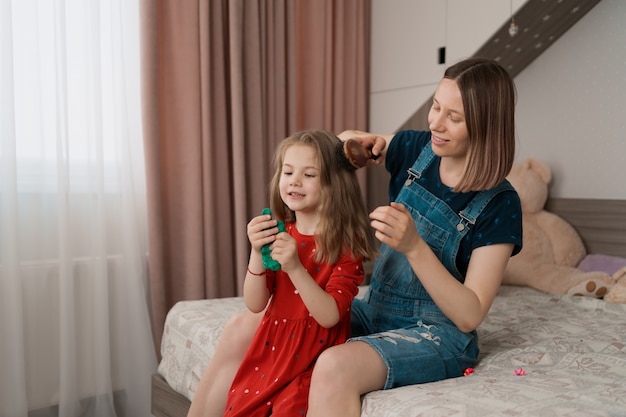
point(500, 222)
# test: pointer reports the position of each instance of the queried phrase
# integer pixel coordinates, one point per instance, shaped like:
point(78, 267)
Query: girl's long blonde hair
point(344, 222)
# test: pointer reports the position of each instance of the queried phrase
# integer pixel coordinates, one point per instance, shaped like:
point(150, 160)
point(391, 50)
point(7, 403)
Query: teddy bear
point(617, 293)
point(551, 246)
point(612, 265)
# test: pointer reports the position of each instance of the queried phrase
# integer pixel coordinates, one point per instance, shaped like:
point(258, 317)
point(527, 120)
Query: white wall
point(571, 109)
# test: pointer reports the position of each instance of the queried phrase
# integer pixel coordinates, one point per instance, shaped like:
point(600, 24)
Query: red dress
point(274, 377)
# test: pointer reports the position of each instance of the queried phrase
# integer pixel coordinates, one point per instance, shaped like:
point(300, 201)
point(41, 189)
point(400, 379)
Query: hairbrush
point(353, 155)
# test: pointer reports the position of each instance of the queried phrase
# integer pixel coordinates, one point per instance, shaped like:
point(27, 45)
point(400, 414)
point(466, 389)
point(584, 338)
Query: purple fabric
point(602, 263)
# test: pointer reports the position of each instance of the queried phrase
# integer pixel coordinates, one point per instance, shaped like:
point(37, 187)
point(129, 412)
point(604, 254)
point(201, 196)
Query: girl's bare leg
point(210, 397)
point(341, 374)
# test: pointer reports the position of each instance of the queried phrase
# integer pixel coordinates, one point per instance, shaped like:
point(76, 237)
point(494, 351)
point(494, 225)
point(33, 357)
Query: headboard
point(600, 223)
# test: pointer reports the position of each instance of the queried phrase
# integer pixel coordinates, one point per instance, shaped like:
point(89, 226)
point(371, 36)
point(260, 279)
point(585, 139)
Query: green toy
point(268, 262)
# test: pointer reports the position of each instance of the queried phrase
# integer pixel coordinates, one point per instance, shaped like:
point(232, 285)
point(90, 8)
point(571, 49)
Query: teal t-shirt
point(500, 221)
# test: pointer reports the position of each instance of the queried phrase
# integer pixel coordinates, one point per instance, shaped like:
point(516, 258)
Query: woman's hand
point(395, 227)
point(376, 143)
point(261, 230)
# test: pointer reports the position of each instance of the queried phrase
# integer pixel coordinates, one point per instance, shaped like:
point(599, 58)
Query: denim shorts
point(415, 340)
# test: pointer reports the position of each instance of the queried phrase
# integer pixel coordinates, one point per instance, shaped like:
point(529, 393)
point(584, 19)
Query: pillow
point(602, 263)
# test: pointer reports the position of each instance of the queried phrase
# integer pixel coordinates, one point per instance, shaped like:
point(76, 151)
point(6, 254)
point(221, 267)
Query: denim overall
point(397, 317)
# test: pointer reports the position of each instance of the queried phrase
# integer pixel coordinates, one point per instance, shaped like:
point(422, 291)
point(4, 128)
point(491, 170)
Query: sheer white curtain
point(75, 336)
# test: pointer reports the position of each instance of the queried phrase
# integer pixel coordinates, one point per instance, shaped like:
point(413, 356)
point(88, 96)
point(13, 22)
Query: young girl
point(321, 255)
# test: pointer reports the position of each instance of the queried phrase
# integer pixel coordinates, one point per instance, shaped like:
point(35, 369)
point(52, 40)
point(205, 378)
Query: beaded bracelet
point(256, 275)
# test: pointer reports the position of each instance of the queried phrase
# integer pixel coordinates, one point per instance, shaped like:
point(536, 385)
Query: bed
point(570, 350)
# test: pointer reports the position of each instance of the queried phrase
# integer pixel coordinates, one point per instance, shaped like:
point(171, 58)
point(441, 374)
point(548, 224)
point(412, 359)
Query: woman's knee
point(331, 361)
point(353, 366)
point(336, 365)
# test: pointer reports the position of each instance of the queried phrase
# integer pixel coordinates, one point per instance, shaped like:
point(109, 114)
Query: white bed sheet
point(572, 350)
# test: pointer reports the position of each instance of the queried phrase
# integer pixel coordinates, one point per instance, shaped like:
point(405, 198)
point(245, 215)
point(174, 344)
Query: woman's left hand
point(395, 227)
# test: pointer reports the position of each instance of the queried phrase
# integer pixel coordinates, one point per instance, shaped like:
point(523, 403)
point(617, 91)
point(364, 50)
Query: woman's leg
point(341, 375)
point(210, 397)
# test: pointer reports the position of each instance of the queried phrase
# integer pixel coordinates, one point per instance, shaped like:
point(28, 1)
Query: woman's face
point(300, 183)
point(446, 120)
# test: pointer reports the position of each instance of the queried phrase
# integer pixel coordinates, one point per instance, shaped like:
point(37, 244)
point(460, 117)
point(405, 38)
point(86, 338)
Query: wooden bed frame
point(600, 223)
point(165, 401)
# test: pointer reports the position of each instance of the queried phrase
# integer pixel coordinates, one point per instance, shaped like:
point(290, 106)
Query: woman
point(447, 235)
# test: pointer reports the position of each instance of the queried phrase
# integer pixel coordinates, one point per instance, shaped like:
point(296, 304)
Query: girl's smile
point(300, 184)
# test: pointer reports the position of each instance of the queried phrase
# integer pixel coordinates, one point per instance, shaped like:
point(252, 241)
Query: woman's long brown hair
point(488, 94)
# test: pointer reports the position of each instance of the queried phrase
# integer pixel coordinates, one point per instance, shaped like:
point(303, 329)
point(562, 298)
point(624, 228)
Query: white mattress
point(572, 350)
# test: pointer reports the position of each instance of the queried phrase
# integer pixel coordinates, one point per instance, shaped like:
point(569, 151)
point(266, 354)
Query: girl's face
point(446, 120)
point(300, 184)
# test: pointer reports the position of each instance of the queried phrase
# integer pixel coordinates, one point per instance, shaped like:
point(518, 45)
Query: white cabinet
point(405, 37)
point(405, 42)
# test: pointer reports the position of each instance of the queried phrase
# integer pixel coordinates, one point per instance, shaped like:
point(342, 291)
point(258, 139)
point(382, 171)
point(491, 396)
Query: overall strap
point(467, 216)
point(473, 209)
point(423, 161)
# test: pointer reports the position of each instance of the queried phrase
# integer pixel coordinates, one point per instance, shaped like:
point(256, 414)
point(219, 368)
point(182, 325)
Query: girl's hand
point(395, 227)
point(261, 230)
point(285, 251)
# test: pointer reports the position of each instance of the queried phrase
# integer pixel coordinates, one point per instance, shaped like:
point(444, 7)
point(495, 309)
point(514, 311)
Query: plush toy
point(617, 293)
point(269, 262)
point(551, 247)
point(612, 265)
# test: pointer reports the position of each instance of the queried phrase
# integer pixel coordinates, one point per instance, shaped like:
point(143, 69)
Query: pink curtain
point(223, 82)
